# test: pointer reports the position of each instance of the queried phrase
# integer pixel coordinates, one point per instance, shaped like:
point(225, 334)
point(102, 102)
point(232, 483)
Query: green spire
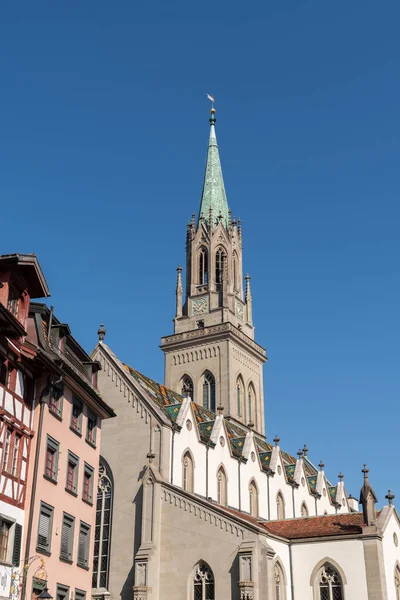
point(213, 196)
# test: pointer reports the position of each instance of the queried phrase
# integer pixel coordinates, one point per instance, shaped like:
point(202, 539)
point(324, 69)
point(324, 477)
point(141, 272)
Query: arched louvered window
point(188, 473)
point(102, 536)
point(253, 493)
point(239, 396)
point(251, 412)
point(203, 267)
point(279, 582)
point(330, 583)
point(280, 506)
point(235, 272)
point(219, 265)
point(304, 510)
point(187, 387)
point(203, 583)
point(222, 487)
point(209, 391)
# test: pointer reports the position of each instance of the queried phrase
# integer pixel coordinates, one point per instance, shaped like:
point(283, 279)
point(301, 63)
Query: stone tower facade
point(212, 356)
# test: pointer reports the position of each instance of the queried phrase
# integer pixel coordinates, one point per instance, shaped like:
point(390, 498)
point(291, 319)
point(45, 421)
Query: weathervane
point(212, 100)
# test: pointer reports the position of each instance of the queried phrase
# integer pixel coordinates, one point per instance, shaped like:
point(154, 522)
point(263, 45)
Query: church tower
point(212, 356)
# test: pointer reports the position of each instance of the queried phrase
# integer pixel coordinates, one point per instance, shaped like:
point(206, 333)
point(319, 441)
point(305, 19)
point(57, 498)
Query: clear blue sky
point(104, 127)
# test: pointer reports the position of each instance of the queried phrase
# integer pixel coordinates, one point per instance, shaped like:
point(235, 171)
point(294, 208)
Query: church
point(194, 502)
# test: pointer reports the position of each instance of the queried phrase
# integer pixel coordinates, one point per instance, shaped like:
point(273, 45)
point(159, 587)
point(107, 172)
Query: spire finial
point(305, 450)
point(390, 497)
point(276, 439)
point(321, 465)
point(300, 453)
point(340, 476)
point(365, 470)
point(101, 332)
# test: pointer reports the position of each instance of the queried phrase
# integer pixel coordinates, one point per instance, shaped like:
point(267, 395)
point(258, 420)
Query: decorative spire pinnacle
point(368, 499)
point(390, 497)
point(321, 465)
point(340, 476)
point(305, 450)
point(179, 291)
point(214, 195)
point(276, 440)
point(101, 332)
point(300, 453)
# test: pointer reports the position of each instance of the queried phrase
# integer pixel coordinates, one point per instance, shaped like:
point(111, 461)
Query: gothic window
point(209, 391)
point(397, 582)
point(102, 539)
point(235, 272)
point(279, 582)
point(219, 265)
point(203, 267)
point(222, 491)
point(251, 403)
point(203, 583)
point(330, 583)
point(187, 387)
point(304, 510)
point(280, 506)
point(239, 395)
point(253, 493)
point(187, 473)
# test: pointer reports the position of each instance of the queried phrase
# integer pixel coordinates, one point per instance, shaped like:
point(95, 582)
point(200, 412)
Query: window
point(203, 267)
point(83, 545)
point(203, 583)
point(251, 403)
point(222, 491)
point(15, 464)
point(209, 391)
point(51, 466)
point(239, 396)
point(16, 555)
point(62, 592)
point(253, 492)
point(397, 582)
point(219, 266)
point(72, 473)
point(103, 527)
point(13, 301)
point(188, 475)
point(235, 272)
point(76, 417)
point(330, 583)
point(91, 428)
point(304, 510)
point(80, 595)
point(280, 506)
point(279, 582)
point(187, 387)
point(55, 405)
point(4, 533)
point(67, 537)
point(6, 449)
point(87, 492)
point(45, 527)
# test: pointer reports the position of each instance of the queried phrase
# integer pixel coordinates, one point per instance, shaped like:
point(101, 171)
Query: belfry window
point(235, 272)
point(203, 583)
point(239, 396)
point(203, 267)
point(209, 391)
point(187, 387)
point(219, 266)
point(102, 537)
point(330, 583)
point(250, 403)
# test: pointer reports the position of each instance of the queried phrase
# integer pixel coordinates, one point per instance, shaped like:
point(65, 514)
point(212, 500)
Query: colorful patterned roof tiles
point(205, 430)
point(332, 493)
point(172, 411)
point(237, 445)
point(312, 483)
point(265, 459)
point(201, 414)
point(287, 458)
point(289, 470)
point(309, 468)
point(262, 445)
point(162, 395)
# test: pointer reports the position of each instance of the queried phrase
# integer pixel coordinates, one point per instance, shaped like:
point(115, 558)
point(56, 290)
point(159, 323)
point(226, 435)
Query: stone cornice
point(180, 340)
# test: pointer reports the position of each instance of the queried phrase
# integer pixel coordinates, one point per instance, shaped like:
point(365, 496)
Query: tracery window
point(239, 396)
point(203, 267)
point(253, 493)
point(222, 491)
point(330, 583)
point(102, 539)
point(250, 401)
point(235, 272)
point(203, 583)
point(304, 510)
point(397, 582)
point(187, 387)
point(279, 582)
point(187, 473)
point(209, 391)
point(219, 265)
point(280, 506)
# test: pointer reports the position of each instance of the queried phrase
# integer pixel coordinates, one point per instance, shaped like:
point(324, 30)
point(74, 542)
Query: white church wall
point(302, 494)
point(187, 439)
point(248, 471)
point(282, 555)
point(277, 484)
point(348, 554)
point(220, 455)
point(391, 554)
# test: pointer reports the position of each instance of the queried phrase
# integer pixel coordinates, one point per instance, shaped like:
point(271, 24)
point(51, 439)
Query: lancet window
point(187, 387)
point(279, 582)
point(187, 473)
point(397, 582)
point(253, 493)
point(102, 539)
point(330, 583)
point(304, 510)
point(280, 506)
point(250, 403)
point(219, 266)
point(203, 267)
point(235, 272)
point(222, 487)
point(203, 583)
point(239, 396)
point(209, 391)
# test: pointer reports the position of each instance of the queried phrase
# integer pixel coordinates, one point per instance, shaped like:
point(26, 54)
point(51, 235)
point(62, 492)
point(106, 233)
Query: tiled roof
point(308, 527)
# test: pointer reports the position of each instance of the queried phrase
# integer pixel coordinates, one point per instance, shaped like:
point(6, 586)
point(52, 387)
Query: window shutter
point(17, 545)
point(44, 529)
point(65, 540)
point(82, 547)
